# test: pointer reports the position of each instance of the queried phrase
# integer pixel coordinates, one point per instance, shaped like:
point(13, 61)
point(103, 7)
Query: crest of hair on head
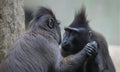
point(80, 18)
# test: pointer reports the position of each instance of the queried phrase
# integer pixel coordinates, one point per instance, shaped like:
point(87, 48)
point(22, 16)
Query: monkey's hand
point(91, 48)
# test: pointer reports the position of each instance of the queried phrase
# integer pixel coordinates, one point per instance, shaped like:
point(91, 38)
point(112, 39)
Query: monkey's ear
point(51, 23)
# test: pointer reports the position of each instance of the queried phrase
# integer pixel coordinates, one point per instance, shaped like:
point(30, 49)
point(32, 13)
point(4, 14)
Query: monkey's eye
point(51, 23)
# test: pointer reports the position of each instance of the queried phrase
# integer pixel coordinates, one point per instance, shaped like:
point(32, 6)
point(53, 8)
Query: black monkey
point(38, 49)
point(77, 35)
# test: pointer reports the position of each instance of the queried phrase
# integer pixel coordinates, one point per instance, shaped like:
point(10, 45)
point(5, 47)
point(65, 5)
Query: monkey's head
point(77, 35)
point(45, 21)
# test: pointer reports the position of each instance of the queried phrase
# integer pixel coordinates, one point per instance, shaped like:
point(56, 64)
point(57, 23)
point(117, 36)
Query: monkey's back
point(31, 53)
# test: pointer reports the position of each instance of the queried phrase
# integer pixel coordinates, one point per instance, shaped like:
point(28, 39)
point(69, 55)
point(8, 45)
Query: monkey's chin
point(67, 49)
point(66, 53)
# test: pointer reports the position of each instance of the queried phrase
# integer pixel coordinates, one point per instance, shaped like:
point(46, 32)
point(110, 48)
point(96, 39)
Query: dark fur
point(100, 63)
point(38, 49)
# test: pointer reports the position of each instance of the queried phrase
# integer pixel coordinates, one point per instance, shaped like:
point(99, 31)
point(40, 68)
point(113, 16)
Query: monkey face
point(75, 39)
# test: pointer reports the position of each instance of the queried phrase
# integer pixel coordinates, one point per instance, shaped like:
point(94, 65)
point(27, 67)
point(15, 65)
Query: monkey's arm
point(72, 62)
point(103, 58)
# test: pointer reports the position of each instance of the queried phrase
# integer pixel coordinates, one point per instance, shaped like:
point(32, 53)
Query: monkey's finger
point(92, 50)
point(88, 48)
point(89, 54)
point(89, 45)
point(94, 44)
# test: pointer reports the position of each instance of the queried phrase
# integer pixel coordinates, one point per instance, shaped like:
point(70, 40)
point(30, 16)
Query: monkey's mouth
point(67, 48)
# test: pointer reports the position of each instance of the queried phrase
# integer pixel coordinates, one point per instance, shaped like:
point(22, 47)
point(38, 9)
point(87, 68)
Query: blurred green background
point(103, 16)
